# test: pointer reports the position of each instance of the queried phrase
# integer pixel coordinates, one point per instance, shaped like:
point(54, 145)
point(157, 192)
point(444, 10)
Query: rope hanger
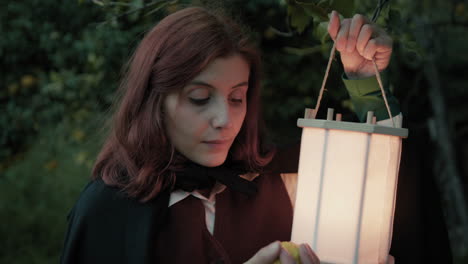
point(377, 74)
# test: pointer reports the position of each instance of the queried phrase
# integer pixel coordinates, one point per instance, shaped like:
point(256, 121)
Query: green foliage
point(315, 10)
point(299, 17)
point(61, 68)
point(302, 13)
point(37, 193)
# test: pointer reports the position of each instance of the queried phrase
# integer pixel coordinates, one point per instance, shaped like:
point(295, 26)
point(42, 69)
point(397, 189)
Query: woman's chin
point(211, 160)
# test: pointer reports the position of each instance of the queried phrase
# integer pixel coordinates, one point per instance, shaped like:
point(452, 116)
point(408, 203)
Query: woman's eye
point(237, 100)
point(199, 101)
point(238, 97)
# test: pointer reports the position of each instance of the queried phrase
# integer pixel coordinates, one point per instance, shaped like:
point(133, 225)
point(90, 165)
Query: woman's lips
point(219, 141)
point(217, 144)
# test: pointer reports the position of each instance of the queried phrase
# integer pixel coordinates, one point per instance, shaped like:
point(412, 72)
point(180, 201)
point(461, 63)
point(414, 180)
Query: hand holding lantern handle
point(359, 41)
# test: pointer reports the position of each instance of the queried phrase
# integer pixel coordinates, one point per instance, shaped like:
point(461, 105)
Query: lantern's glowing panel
point(346, 190)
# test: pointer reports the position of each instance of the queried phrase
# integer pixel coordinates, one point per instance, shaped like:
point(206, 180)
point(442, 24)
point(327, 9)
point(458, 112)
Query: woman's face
point(203, 118)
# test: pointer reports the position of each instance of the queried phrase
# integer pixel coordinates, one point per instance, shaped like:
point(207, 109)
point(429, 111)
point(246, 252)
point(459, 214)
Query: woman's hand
point(274, 251)
point(358, 41)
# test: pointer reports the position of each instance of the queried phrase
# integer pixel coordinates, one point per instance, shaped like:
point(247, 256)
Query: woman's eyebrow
point(240, 84)
point(211, 86)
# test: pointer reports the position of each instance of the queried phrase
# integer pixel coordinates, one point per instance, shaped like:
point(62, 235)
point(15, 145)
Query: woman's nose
point(221, 115)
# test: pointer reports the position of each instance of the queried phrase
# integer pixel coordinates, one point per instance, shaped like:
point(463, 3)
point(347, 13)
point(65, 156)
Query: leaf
point(137, 6)
point(81, 157)
point(97, 2)
point(344, 7)
point(158, 6)
point(28, 81)
point(271, 30)
point(322, 2)
point(303, 51)
point(13, 88)
point(298, 17)
point(51, 165)
point(321, 32)
point(411, 53)
point(394, 21)
point(314, 10)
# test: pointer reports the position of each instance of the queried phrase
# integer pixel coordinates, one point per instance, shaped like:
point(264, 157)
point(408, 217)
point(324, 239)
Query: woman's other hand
point(358, 40)
point(275, 251)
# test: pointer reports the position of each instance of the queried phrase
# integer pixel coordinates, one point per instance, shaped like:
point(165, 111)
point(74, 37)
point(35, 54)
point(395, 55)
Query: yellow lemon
point(292, 249)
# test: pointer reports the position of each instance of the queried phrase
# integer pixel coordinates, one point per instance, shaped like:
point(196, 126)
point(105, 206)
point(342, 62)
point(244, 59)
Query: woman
point(184, 174)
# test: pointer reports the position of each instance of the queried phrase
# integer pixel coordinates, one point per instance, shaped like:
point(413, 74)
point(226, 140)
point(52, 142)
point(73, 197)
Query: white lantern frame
point(359, 236)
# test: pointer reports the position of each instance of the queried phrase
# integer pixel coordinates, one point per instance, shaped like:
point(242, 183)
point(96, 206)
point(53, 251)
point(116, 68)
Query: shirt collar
point(179, 195)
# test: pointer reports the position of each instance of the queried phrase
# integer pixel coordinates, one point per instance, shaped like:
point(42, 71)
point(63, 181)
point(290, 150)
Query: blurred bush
point(60, 68)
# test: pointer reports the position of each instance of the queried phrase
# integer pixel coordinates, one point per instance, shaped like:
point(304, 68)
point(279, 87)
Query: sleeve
point(366, 96)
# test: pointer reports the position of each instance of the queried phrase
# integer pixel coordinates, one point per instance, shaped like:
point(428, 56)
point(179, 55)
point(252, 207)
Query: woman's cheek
point(239, 120)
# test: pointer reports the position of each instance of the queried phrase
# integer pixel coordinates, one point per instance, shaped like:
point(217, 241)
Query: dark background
point(61, 62)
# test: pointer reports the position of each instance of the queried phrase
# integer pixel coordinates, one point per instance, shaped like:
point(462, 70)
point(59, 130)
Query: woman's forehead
point(229, 71)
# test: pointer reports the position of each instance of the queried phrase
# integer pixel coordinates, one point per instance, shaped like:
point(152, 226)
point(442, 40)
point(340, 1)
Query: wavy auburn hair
point(137, 155)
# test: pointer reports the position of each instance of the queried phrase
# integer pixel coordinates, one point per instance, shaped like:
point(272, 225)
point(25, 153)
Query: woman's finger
point(364, 36)
point(286, 258)
point(334, 24)
point(314, 256)
point(356, 24)
point(342, 37)
point(384, 40)
point(307, 255)
point(370, 49)
point(380, 45)
point(267, 254)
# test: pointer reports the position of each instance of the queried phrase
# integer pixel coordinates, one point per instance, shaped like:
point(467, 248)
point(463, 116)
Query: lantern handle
point(377, 74)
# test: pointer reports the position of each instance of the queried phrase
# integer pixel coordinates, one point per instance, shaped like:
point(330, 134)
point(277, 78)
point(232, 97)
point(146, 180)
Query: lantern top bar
point(352, 126)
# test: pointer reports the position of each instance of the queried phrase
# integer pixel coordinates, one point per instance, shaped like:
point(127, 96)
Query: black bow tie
point(195, 176)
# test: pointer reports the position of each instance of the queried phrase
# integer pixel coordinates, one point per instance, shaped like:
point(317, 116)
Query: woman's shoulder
point(98, 199)
point(97, 224)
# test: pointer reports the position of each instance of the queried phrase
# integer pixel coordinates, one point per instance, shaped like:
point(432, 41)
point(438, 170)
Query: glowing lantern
point(347, 188)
